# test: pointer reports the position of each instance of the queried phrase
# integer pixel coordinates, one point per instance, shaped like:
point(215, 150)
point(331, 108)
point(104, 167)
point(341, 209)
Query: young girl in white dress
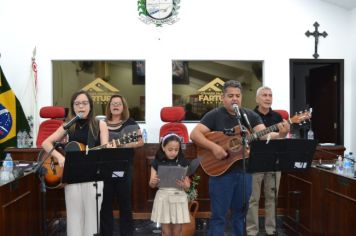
point(170, 206)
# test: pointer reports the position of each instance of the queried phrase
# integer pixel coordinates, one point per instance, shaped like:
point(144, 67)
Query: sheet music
point(168, 175)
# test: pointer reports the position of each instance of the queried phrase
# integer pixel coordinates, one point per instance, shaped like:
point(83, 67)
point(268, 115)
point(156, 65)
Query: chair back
point(174, 116)
point(283, 113)
point(55, 116)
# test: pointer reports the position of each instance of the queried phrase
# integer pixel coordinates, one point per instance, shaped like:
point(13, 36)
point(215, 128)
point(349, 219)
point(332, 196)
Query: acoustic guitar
point(232, 144)
point(53, 172)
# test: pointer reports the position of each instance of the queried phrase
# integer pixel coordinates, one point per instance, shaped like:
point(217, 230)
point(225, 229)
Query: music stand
point(281, 155)
point(96, 165)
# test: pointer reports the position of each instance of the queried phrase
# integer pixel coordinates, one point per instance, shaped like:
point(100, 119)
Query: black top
point(219, 119)
point(81, 133)
point(271, 118)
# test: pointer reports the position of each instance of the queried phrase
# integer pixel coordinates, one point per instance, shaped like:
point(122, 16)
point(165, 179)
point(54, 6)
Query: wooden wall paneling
point(316, 177)
point(299, 205)
point(142, 194)
point(282, 194)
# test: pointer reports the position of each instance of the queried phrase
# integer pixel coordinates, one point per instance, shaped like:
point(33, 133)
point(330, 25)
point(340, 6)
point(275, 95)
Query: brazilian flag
point(12, 117)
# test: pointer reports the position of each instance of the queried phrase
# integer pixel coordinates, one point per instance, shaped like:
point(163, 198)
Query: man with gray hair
point(270, 179)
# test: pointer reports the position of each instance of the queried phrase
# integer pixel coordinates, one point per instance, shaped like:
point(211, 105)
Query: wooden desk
point(20, 208)
point(328, 152)
point(55, 207)
point(326, 201)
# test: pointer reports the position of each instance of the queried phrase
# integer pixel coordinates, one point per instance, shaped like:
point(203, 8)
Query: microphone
point(237, 110)
point(248, 123)
point(72, 121)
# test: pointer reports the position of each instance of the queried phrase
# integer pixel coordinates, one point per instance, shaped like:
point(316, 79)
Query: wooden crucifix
point(316, 35)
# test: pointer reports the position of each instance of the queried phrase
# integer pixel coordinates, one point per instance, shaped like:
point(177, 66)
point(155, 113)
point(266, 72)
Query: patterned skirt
point(170, 206)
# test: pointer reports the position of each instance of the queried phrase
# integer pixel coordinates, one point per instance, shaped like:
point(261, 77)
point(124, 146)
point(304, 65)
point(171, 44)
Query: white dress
point(170, 206)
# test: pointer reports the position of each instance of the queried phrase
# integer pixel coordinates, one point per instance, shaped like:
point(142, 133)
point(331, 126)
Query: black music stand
point(93, 166)
point(281, 155)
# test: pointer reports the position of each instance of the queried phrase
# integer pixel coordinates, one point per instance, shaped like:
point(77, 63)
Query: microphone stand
point(42, 171)
point(244, 143)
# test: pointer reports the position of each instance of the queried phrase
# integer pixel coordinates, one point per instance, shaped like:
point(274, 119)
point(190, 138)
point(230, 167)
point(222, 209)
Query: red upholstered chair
point(174, 116)
point(56, 116)
point(283, 113)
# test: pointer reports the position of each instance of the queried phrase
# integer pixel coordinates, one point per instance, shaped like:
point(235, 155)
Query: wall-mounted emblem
point(100, 91)
point(158, 12)
point(211, 92)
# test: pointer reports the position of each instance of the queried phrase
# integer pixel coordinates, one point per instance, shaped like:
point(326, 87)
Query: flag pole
point(35, 108)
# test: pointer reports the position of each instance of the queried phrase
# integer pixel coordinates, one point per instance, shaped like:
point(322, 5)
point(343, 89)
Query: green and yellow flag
point(12, 117)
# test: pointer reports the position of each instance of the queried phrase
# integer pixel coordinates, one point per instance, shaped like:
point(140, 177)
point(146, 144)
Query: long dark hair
point(161, 156)
point(93, 124)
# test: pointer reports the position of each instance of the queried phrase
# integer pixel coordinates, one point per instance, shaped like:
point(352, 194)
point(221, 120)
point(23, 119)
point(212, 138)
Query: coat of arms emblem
point(158, 12)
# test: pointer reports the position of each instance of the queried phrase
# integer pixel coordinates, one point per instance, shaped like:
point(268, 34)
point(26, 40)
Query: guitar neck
point(119, 142)
point(116, 141)
point(261, 133)
point(99, 147)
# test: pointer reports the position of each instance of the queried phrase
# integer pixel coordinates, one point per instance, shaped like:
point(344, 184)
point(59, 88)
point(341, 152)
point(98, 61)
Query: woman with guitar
point(226, 183)
point(80, 198)
point(121, 127)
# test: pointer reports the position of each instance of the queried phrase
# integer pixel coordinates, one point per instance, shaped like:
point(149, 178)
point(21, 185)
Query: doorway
point(319, 84)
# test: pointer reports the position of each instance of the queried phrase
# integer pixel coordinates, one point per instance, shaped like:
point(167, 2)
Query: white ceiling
point(347, 4)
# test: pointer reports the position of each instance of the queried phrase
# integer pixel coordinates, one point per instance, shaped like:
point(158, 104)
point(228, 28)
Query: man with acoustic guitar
point(227, 181)
point(270, 179)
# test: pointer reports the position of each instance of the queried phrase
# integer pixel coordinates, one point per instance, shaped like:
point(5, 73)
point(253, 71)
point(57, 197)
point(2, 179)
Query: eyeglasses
point(84, 103)
point(116, 104)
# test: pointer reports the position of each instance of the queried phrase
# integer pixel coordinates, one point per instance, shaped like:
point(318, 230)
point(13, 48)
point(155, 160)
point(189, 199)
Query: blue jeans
point(226, 192)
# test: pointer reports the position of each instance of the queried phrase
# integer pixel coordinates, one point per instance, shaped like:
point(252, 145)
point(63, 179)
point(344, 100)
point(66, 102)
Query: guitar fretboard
point(261, 133)
point(127, 138)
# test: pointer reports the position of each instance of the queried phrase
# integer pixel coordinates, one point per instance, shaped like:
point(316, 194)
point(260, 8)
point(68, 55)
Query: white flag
point(29, 100)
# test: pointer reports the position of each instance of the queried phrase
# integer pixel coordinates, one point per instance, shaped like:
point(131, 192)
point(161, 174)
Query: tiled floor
point(148, 228)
